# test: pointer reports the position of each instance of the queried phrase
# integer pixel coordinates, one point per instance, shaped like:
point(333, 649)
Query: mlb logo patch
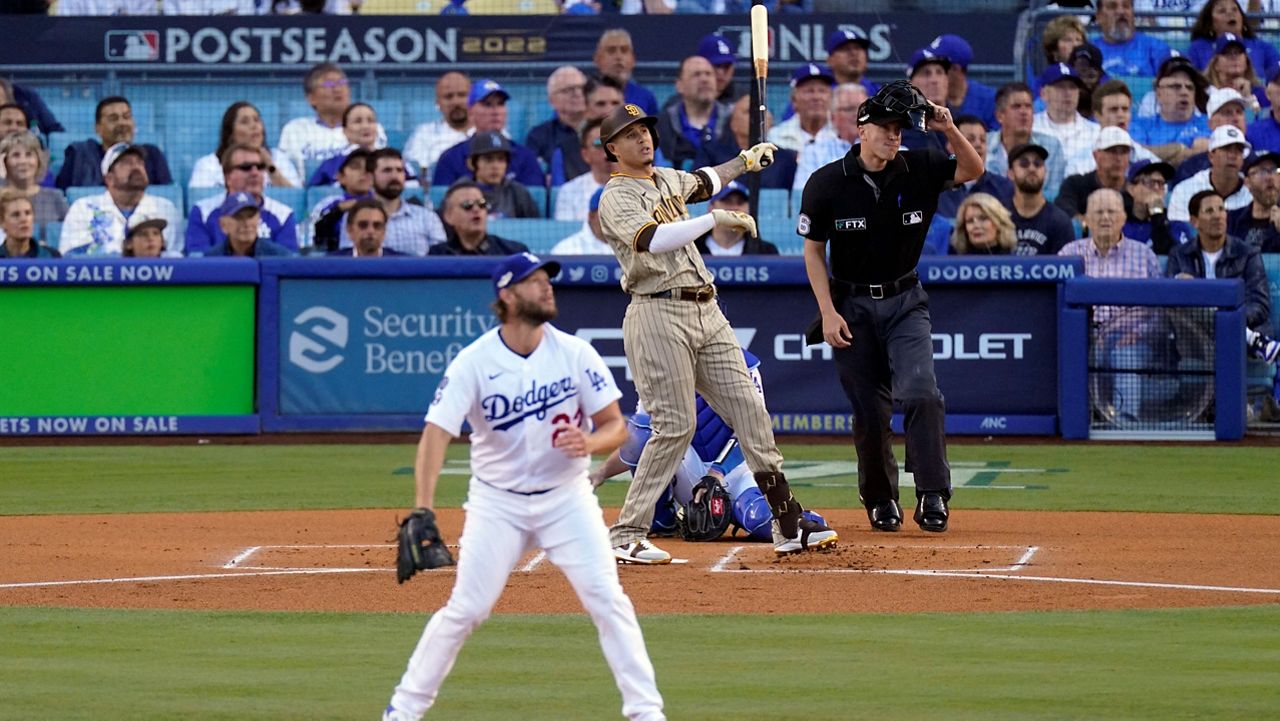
point(132, 46)
point(851, 224)
point(915, 217)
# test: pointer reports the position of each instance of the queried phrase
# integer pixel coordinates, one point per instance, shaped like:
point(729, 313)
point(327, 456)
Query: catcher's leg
point(576, 540)
point(492, 544)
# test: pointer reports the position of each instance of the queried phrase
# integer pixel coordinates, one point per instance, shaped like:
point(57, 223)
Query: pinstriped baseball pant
point(676, 348)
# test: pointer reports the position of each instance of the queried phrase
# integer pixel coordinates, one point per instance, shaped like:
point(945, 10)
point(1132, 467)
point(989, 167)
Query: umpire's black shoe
point(886, 516)
point(932, 512)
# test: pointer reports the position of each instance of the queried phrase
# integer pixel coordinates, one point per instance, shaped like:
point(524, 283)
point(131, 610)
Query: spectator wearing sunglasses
point(244, 170)
point(366, 225)
point(466, 213)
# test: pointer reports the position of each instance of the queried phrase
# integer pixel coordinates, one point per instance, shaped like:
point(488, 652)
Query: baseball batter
point(539, 402)
point(676, 338)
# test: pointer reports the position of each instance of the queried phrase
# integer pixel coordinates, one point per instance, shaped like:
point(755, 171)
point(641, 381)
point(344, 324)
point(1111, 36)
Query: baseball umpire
point(873, 207)
point(676, 338)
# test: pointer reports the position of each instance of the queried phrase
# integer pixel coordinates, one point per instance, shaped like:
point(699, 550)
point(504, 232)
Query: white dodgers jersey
point(513, 404)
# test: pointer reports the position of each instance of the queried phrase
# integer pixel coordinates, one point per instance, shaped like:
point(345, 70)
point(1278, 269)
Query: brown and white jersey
point(632, 206)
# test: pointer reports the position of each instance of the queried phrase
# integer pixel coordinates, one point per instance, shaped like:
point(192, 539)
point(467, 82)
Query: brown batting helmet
point(619, 119)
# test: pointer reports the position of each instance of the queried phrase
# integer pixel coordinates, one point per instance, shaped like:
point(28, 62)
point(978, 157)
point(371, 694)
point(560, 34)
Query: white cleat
point(391, 714)
point(641, 551)
point(811, 536)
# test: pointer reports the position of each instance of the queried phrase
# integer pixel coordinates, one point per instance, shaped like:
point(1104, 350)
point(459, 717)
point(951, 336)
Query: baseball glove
point(419, 545)
point(708, 513)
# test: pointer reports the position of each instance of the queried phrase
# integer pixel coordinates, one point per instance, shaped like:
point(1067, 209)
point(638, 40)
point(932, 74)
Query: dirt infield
point(342, 560)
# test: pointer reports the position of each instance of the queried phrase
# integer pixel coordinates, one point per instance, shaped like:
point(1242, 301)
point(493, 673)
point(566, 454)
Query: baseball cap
point(1087, 52)
point(1177, 63)
point(1219, 97)
point(488, 141)
point(840, 37)
point(1225, 41)
point(1256, 158)
point(924, 56)
point(715, 48)
point(594, 203)
point(236, 202)
point(1225, 135)
point(811, 70)
point(1146, 165)
point(119, 150)
point(138, 221)
point(732, 186)
point(485, 88)
point(1021, 150)
point(1060, 71)
point(1112, 136)
point(515, 268)
point(953, 48)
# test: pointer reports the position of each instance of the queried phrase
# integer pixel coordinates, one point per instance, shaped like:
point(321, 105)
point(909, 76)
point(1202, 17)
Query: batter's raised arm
point(427, 464)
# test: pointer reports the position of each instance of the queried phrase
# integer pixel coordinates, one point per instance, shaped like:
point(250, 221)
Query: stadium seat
point(539, 199)
point(436, 193)
point(775, 202)
point(391, 115)
point(51, 233)
point(539, 234)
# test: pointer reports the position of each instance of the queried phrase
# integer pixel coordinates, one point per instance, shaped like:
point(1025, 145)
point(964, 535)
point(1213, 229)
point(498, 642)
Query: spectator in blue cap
point(965, 96)
point(587, 240)
point(1146, 221)
point(1258, 224)
point(239, 217)
point(811, 96)
point(725, 241)
point(715, 48)
point(1060, 88)
point(1125, 50)
point(847, 55)
point(1232, 68)
point(1086, 60)
point(488, 158)
point(1264, 132)
point(487, 108)
point(928, 72)
point(1218, 17)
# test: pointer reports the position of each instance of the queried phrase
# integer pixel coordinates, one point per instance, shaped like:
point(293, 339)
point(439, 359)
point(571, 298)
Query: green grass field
point(68, 663)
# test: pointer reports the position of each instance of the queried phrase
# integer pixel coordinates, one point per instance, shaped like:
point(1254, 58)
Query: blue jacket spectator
point(615, 57)
point(487, 107)
point(679, 136)
point(277, 225)
point(965, 96)
point(566, 91)
point(1125, 50)
point(113, 122)
point(1226, 16)
point(239, 219)
point(1255, 223)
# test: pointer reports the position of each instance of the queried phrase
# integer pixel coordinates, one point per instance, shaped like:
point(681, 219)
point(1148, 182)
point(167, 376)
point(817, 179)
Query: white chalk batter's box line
point(1028, 552)
point(236, 568)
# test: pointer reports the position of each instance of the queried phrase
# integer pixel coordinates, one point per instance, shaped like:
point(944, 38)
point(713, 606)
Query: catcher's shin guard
point(784, 505)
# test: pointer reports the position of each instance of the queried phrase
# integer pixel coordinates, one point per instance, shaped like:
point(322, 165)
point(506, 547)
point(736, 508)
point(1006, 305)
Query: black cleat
point(932, 512)
point(886, 516)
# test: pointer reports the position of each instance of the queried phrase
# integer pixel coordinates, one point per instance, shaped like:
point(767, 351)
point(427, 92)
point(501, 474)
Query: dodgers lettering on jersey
point(513, 404)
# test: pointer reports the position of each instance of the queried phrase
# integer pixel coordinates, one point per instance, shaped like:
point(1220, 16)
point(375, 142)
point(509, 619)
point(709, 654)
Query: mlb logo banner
point(915, 217)
point(132, 46)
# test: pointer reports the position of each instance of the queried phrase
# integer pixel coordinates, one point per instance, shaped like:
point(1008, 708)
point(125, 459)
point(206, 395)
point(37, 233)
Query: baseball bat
point(760, 60)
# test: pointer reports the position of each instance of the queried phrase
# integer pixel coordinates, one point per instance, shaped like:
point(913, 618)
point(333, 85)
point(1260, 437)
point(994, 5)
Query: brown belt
point(701, 294)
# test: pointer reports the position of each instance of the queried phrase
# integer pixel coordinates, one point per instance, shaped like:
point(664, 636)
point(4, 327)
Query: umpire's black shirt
point(876, 222)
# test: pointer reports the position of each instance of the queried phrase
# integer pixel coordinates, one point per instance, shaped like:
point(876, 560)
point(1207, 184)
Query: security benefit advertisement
point(373, 347)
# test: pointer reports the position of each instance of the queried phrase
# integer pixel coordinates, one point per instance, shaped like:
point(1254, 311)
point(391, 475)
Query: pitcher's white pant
point(500, 527)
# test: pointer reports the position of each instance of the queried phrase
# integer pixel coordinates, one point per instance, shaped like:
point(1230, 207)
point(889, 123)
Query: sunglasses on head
point(246, 167)
point(469, 204)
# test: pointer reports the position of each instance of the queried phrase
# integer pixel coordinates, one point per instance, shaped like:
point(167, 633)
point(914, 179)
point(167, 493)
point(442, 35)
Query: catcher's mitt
point(708, 514)
point(420, 546)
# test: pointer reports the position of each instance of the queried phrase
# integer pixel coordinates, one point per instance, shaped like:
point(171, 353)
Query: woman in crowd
point(242, 123)
point(25, 163)
point(1226, 16)
point(983, 227)
point(1060, 37)
point(1232, 67)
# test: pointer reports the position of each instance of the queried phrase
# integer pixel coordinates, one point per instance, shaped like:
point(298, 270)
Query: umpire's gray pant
point(676, 348)
point(891, 358)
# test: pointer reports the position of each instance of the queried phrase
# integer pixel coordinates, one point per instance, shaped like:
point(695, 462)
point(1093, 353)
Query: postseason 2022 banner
point(368, 352)
point(151, 43)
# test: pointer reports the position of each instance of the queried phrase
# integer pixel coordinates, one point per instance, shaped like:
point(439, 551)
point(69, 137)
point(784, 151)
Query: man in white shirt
point(1060, 88)
point(311, 140)
point(429, 140)
point(1227, 148)
point(586, 241)
point(811, 97)
point(845, 101)
point(574, 196)
point(96, 224)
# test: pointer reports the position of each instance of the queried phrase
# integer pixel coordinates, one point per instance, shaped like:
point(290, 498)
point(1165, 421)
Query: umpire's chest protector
point(875, 223)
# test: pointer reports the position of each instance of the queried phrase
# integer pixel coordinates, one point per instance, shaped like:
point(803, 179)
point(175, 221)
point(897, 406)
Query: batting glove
point(758, 156)
point(734, 220)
